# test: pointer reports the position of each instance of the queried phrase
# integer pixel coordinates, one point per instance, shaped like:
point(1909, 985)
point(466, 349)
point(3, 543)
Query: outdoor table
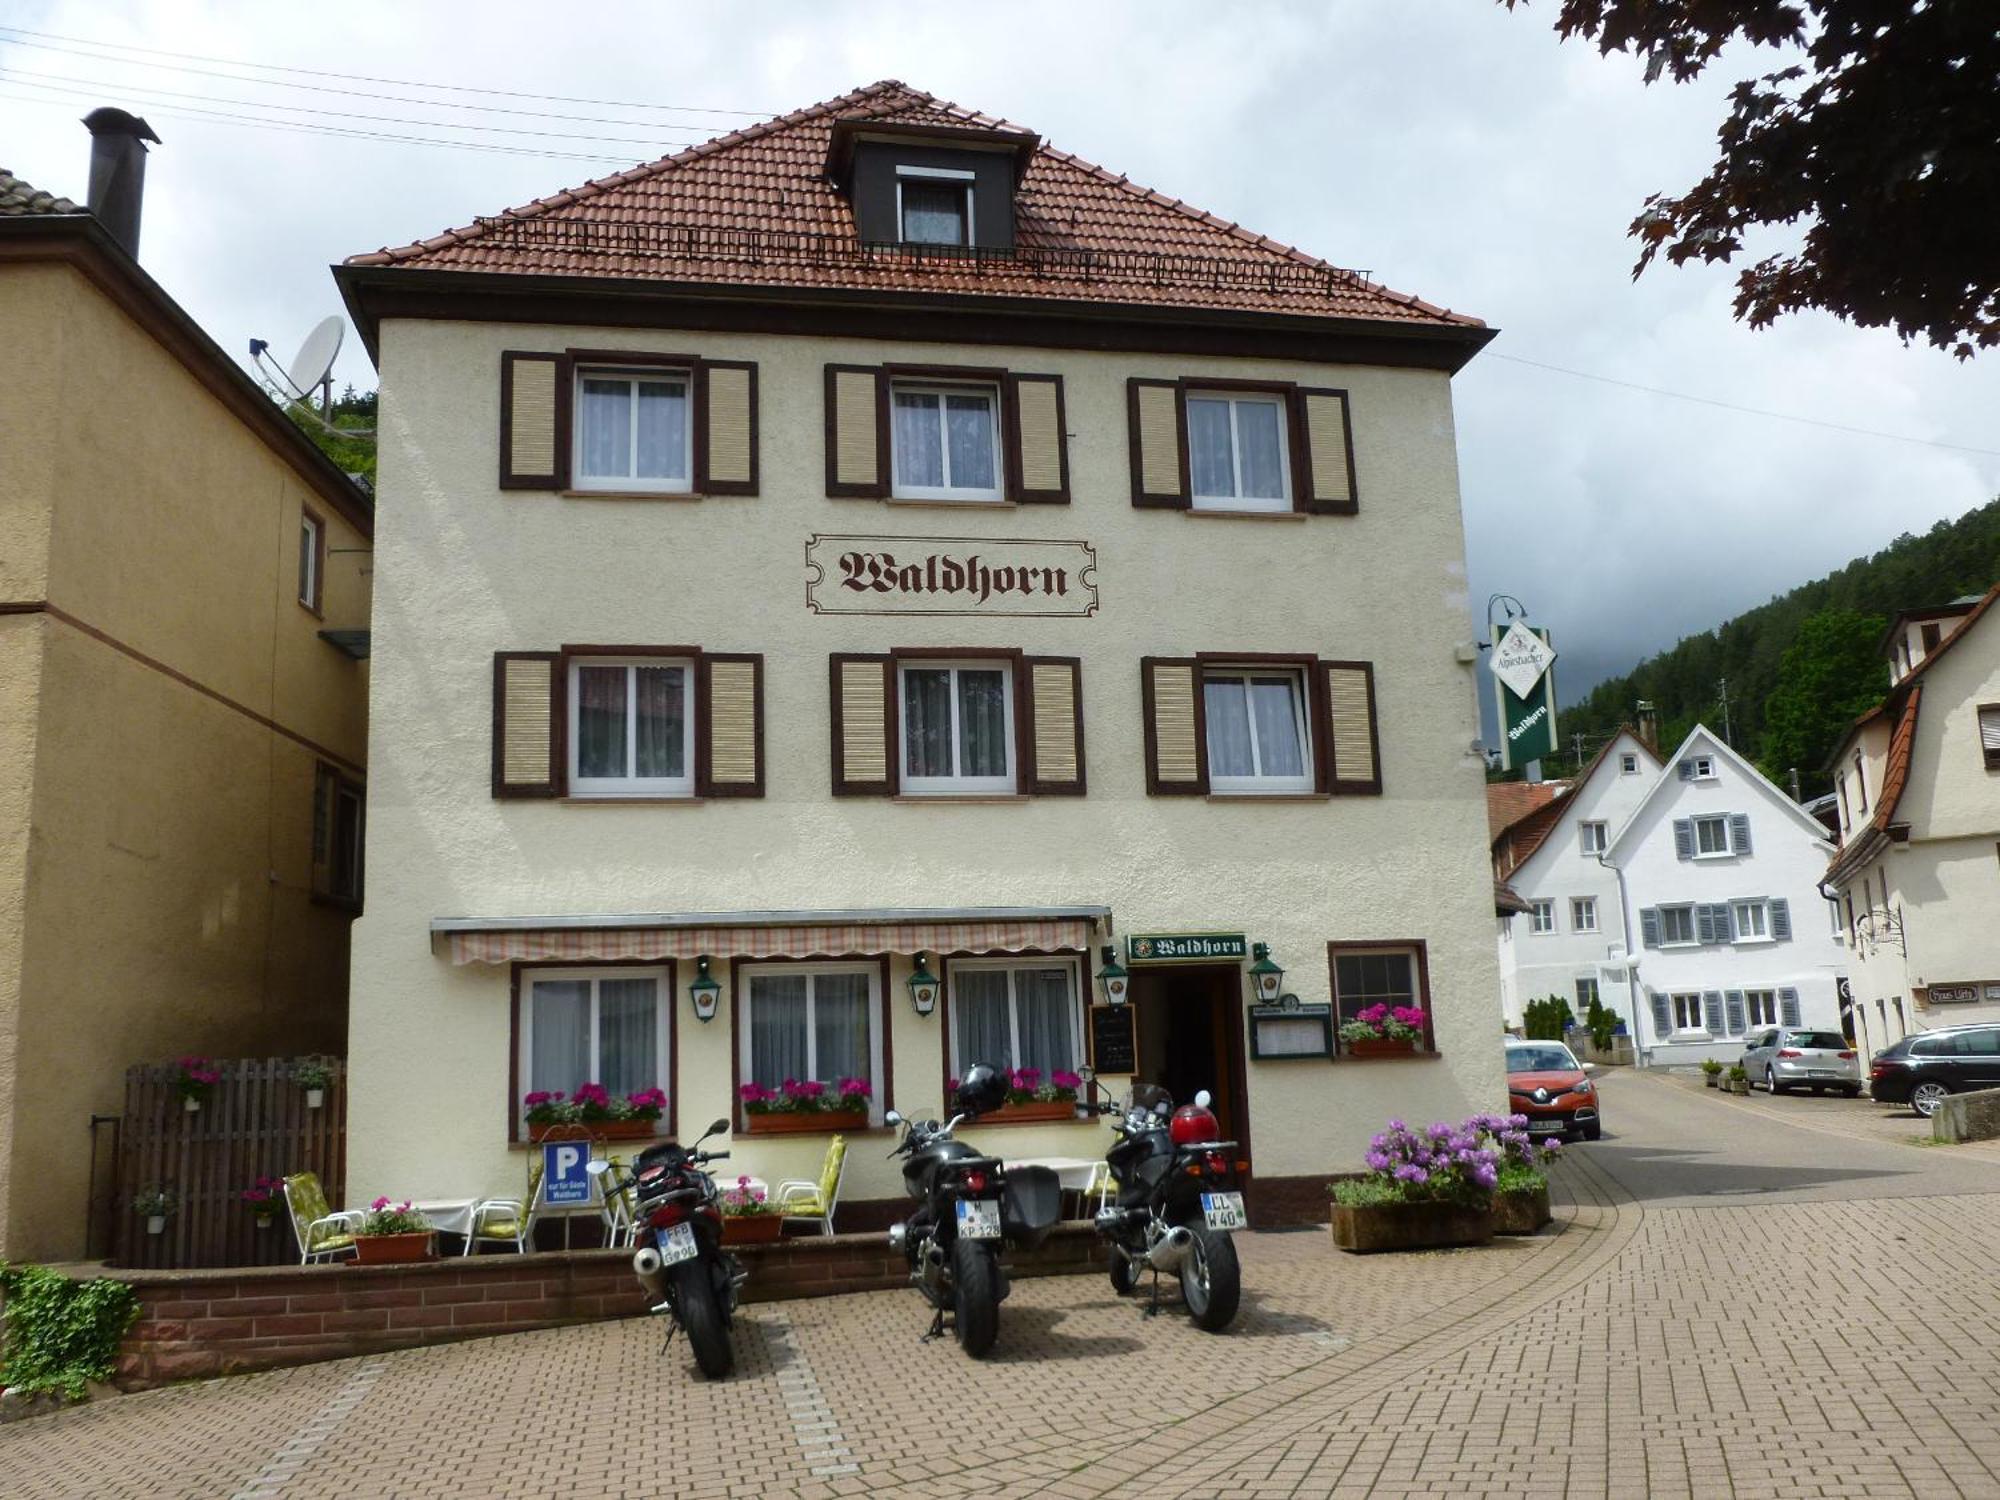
point(448, 1215)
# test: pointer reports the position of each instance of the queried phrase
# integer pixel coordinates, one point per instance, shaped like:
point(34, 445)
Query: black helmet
point(981, 1089)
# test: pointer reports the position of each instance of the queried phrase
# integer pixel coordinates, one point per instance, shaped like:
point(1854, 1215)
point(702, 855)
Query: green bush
point(1604, 1023)
point(61, 1333)
point(1710, 1066)
point(1546, 1020)
point(1369, 1192)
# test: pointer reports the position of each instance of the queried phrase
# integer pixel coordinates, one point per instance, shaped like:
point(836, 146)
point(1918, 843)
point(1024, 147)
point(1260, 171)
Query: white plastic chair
point(322, 1233)
point(506, 1221)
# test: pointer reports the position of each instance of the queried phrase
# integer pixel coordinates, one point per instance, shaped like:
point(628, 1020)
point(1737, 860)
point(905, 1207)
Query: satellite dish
point(312, 366)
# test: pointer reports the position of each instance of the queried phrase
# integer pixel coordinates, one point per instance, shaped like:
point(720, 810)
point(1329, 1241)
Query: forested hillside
point(1788, 710)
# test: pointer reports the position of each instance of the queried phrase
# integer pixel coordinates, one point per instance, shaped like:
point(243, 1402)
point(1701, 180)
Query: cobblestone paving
point(1620, 1355)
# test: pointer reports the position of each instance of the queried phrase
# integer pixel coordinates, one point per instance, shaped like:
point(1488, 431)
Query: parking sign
point(564, 1180)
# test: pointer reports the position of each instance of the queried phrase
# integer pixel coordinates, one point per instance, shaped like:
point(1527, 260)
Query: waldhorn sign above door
point(949, 575)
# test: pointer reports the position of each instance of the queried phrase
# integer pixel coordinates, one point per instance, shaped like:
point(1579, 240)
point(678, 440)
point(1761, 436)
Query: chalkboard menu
point(1114, 1046)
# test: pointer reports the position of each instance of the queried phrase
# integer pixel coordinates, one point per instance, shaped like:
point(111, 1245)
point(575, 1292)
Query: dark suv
point(1926, 1065)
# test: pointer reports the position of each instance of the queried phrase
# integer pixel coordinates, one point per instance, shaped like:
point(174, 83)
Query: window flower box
point(1366, 1229)
point(1385, 1031)
point(592, 1114)
point(1382, 1046)
point(394, 1249)
point(751, 1229)
point(804, 1121)
point(1038, 1109)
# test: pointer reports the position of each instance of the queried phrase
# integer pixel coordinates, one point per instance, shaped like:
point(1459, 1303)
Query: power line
point(455, 88)
point(97, 87)
point(1755, 411)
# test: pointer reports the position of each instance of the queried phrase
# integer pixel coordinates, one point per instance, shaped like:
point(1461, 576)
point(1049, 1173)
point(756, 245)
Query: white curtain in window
point(968, 422)
point(919, 447)
point(1211, 454)
point(662, 708)
point(982, 723)
point(778, 1033)
point(927, 721)
point(600, 721)
point(933, 213)
point(1274, 702)
point(663, 428)
point(1229, 748)
point(840, 1027)
point(1260, 435)
point(559, 1035)
point(979, 1014)
point(605, 418)
point(1043, 1009)
point(627, 1031)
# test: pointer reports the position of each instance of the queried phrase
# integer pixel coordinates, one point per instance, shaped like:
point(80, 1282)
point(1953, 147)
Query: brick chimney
point(1648, 724)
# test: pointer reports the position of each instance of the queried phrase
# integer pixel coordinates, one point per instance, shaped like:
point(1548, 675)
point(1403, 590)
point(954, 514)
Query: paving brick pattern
point(1616, 1356)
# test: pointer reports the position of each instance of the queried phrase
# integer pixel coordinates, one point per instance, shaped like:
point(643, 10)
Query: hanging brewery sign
point(1525, 690)
point(1184, 947)
point(946, 575)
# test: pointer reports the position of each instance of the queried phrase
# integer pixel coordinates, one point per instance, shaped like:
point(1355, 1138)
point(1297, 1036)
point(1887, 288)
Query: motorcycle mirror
point(717, 1128)
point(1204, 1098)
point(892, 1118)
point(597, 1168)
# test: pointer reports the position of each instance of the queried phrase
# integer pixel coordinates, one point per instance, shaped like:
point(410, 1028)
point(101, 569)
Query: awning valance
point(530, 943)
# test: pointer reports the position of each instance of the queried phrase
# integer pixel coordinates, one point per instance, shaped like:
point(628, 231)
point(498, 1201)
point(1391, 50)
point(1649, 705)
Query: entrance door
point(1190, 1025)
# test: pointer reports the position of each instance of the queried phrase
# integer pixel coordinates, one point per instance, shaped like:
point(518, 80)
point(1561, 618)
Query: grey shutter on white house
point(1711, 1011)
point(1739, 833)
point(1788, 1007)
point(1686, 769)
point(1781, 919)
point(1733, 999)
point(1663, 1019)
point(1684, 836)
point(1649, 927)
point(1725, 924)
point(1704, 924)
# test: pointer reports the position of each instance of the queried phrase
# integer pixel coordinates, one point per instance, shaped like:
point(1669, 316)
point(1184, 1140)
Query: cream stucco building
point(877, 540)
point(172, 725)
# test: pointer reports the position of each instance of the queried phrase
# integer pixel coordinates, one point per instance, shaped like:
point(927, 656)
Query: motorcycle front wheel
point(975, 1279)
point(1211, 1280)
point(701, 1319)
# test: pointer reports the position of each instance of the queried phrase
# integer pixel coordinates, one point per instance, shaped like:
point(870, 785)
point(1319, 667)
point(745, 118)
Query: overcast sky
point(1451, 149)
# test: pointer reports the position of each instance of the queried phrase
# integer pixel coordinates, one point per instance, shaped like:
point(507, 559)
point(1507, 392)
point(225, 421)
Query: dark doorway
point(1190, 1024)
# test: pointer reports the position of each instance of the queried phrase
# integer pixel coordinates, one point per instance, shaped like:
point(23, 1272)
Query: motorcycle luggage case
point(1030, 1205)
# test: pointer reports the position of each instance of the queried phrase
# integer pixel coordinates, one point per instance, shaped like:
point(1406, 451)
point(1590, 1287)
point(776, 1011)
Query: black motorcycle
point(680, 1260)
point(1175, 1204)
point(971, 1207)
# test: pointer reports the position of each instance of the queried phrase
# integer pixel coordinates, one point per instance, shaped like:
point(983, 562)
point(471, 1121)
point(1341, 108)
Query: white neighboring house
point(1719, 875)
point(1571, 941)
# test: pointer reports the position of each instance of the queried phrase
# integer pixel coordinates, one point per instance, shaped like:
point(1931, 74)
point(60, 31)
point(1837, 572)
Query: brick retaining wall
point(198, 1324)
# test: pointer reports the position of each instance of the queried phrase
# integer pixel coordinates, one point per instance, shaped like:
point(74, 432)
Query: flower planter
point(263, 1221)
point(751, 1229)
point(805, 1122)
point(1739, 1085)
point(315, 1098)
point(1713, 1080)
point(392, 1249)
point(1382, 1046)
point(624, 1130)
point(1409, 1226)
point(156, 1223)
point(1040, 1109)
point(190, 1103)
point(1522, 1211)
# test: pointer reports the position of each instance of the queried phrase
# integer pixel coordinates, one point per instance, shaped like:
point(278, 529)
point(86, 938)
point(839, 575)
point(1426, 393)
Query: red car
point(1546, 1083)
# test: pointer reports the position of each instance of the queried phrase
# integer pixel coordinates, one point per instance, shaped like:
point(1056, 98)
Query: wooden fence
point(254, 1123)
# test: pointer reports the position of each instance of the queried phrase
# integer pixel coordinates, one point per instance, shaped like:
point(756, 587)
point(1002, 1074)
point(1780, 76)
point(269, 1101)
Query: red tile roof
point(1863, 843)
point(1516, 841)
point(1507, 802)
point(756, 207)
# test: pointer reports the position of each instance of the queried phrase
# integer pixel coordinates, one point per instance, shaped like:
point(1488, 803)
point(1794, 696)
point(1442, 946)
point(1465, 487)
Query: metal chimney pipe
point(118, 172)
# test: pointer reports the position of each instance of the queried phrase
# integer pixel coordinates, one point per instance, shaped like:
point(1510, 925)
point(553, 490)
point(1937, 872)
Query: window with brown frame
point(954, 434)
point(1394, 973)
point(1989, 734)
point(1241, 446)
point(1259, 724)
point(631, 722)
point(339, 837)
point(312, 560)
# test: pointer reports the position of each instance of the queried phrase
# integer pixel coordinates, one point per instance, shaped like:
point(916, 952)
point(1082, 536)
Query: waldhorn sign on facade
point(944, 575)
point(1525, 686)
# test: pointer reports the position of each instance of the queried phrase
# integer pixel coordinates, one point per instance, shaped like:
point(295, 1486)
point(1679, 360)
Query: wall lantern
point(704, 992)
point(1267, 980)
point(1112, 979)
point(923, 988)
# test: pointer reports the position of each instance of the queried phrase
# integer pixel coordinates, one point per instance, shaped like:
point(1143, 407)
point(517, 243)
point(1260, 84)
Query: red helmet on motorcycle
point(1192, 1124)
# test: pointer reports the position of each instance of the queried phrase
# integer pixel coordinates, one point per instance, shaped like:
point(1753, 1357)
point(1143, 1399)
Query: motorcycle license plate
point(1223, 1210)
point(978, 1220)
point(677, 1244)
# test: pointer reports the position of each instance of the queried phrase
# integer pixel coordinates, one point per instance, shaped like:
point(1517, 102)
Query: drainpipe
point(118, 172)
point(1639, 1054)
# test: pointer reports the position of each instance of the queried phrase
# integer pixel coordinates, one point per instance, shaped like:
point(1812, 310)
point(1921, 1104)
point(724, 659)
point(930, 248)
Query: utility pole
point(1576, 748)
point(1727, 738)
point(1795, 783)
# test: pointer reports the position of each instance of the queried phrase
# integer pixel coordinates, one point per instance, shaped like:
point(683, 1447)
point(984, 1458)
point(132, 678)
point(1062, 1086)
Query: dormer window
point(934, 206)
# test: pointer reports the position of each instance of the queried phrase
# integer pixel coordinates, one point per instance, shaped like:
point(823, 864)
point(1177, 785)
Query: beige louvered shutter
point(1051, 696)
point(864, 725)
point(857, 432)
point(1037, 442)
point(729, 724)
point(1158, 420)
point(1324, 483)
point(527, 724)
point(725, 415)
point(1176, 728)
point(1354, 746)
point(534, 421)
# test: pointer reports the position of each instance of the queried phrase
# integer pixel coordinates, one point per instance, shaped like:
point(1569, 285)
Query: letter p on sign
point(564, 1179)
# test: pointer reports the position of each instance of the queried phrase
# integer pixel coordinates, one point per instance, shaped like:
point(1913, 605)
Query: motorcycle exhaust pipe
point(651, 1271)
point(899, 1235)
point(1173, 1248)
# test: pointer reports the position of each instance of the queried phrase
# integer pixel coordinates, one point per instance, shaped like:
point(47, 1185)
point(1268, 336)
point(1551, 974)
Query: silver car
point(1783, 1058)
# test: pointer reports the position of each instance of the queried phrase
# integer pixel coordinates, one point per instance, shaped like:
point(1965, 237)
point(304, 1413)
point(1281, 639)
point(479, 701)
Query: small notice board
point(1114, 1044)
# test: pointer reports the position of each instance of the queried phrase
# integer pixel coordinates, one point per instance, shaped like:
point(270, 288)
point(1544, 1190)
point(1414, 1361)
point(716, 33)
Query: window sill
point(934, 502)
point(609, 800)
point(313, 610)
point(1223, 513)
point(960, 799)
point(631, 495)
point(1718, 854)
point(1752, 942)
point(1345, 1055)
point(1270, 796)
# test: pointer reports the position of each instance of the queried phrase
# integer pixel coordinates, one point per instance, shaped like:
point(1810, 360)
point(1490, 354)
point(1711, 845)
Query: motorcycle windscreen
point(1030, 1205)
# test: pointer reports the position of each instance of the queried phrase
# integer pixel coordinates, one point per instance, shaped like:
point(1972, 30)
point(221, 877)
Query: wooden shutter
point(1704, 923)
point(864, 725)
point(1037, 440)
point(534, 421)
point(1711, 1011)
point(1989, 734)
point(527, 724)
point(1663, 1016)
point(1176, 726)
point(725, 427)
point(857, 432)
point(1323, 452)
point(1049, 697)
point(1686, 769)
point(1158, 436)
point(1354, 745)
point(1739, 833)
point(1684, 837)
point(1781, 919)
point(1649, 927)
point(1733, 999)
point(729, 725)
point(325, 809)
point(1788, 1007)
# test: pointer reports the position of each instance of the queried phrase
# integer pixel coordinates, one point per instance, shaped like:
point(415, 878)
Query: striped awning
point(816, 940)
